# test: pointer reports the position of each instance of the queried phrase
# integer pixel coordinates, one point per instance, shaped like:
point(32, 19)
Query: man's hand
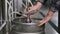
point(47, 18)
point(33, 8)
point(30, 9)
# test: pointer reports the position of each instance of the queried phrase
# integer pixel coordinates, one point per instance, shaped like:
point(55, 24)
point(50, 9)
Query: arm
point(53, 9)
point(33, 8)
point(39, 5)
point(36, 7)
point(47, 18)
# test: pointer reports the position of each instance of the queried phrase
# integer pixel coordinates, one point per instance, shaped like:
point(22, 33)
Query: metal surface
point(26, 28)
point(29, 33)
point(2, 26)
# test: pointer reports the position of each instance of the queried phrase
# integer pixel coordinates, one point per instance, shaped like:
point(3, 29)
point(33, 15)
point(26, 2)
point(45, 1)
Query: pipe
point(2, 26)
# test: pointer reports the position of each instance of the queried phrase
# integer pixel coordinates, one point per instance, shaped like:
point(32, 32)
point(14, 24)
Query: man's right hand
point(33, 8)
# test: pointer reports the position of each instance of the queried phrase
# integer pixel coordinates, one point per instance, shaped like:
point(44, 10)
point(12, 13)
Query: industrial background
point(8, 9)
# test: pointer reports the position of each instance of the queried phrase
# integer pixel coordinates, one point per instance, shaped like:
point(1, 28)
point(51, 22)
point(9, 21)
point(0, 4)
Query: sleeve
point(42, 1)
point(55, 7)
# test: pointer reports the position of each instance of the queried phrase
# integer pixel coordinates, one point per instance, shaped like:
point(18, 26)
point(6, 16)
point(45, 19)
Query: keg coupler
point(28, 15)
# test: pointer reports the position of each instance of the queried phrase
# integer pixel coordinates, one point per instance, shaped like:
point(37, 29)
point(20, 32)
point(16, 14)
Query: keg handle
point(28, 18)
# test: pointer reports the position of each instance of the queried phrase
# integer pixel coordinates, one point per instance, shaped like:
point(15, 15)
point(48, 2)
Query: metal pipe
point(6, 16)
point(12, 9)
point(2, 26)
point(30, 2)
point(1, 17)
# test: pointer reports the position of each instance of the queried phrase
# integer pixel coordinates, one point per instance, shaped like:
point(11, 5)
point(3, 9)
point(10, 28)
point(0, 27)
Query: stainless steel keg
point(22, 27)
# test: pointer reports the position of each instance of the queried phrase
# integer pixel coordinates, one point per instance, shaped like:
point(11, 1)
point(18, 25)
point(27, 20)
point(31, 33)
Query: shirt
point(52, 4)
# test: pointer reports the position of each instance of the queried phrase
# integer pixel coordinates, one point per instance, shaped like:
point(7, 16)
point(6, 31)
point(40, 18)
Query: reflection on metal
point(0, 15)
point(2, 26)
point(30, 33)
point(8, 16)
point(30, 2)
point(2, 23)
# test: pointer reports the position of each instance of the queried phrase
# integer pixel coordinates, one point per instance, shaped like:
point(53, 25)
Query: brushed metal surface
point(27, 27)
point(30, 33)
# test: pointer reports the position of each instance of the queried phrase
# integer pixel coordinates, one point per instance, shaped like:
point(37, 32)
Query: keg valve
point(28, 19)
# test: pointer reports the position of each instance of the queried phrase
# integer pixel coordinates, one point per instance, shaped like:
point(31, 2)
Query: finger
point(41, 24)
point(25, 11)
point(37, 10)
point(31, 16)
point(29, 8)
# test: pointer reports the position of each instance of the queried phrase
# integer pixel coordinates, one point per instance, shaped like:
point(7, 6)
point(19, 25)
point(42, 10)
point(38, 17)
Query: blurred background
point(8, 9)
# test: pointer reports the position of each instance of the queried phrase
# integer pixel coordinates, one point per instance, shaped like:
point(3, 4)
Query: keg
point(22, 27)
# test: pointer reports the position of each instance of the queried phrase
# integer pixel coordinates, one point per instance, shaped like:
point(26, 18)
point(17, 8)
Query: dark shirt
point(54, 5)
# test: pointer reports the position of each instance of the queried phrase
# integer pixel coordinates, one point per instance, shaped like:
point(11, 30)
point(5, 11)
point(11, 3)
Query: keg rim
point(29, 23)
point(33, 23)
point(29, 32)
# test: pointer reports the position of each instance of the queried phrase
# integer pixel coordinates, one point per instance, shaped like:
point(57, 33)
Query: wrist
point(41, 21)
point(39, 4)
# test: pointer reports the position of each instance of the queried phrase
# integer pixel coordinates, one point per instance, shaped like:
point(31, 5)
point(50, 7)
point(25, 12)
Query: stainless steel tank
point(22, 27)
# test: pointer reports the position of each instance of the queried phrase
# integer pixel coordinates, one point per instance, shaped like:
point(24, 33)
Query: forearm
point(48, 17)
point(39, 4)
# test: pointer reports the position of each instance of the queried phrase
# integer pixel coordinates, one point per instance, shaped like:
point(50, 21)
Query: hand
point(31, 16)
point(30, 9)
point(47, 18)
point(41, 23)
point(33, 8)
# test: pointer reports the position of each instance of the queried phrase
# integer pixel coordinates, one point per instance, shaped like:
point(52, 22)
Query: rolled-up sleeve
point(55, 7)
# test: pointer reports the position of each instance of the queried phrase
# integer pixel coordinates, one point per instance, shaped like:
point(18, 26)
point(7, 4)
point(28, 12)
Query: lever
point(28, 19)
